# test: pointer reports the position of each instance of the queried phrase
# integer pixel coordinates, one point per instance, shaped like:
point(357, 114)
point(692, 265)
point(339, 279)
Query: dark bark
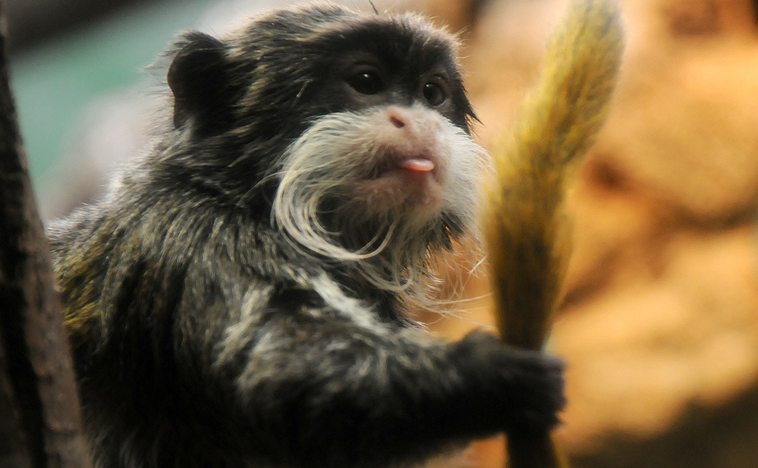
point(39, 409)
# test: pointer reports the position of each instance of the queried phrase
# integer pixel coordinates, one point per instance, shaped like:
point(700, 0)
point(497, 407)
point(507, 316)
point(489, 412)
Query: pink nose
point(397, 121)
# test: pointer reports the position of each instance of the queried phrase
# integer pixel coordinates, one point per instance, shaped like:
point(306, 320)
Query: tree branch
point(39, 408)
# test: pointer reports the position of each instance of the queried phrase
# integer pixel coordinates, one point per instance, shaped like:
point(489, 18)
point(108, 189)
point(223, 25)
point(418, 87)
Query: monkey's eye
point(366, 82)
point(434, 93)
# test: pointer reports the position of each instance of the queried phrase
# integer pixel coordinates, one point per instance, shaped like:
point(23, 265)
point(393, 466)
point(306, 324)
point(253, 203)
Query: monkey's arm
point(325, 387)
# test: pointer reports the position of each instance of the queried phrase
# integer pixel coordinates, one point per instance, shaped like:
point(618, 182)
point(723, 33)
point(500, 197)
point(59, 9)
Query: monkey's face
point(388, 156)
point(360, 120)
point(383, 177)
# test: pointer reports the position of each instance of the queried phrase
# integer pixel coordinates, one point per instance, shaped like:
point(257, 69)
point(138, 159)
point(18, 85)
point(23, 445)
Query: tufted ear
point(198, 78)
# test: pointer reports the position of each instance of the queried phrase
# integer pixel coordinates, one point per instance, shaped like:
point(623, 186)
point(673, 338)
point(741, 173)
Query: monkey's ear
point(198, 78)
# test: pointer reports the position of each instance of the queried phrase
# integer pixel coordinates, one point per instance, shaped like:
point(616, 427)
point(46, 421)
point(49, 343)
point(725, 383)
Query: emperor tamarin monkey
point(238, 297)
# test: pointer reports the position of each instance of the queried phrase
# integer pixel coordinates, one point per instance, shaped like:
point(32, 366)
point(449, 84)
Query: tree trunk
point(39, 408)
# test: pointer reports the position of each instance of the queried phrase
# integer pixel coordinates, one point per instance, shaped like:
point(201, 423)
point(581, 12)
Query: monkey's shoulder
point(164, 255)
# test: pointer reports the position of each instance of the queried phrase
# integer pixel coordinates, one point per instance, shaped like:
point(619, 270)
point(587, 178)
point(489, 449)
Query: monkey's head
point(349, 130)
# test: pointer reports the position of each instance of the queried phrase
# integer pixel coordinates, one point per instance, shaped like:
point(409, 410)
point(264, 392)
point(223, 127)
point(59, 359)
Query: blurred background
point(659, 323)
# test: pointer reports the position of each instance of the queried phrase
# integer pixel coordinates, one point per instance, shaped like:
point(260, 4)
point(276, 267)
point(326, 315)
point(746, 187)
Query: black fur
point(198, 78)
point(203, 338)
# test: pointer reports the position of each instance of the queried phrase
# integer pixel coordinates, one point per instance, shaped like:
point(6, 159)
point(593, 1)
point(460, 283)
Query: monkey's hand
point(534, 381)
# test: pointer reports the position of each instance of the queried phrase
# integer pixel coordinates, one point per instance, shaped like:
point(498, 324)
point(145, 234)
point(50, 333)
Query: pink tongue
point(417, 164)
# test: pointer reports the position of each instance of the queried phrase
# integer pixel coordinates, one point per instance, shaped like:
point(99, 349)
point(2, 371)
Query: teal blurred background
point(54, 81)
point(84, 98)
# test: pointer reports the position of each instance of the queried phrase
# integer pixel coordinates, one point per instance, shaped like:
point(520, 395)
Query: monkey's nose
point(397, 121)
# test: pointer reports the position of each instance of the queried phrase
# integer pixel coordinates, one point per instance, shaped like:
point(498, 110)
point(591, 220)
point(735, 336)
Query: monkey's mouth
point(409, 180)
point(413, 182)
point(413, 166)
point(417, 165)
